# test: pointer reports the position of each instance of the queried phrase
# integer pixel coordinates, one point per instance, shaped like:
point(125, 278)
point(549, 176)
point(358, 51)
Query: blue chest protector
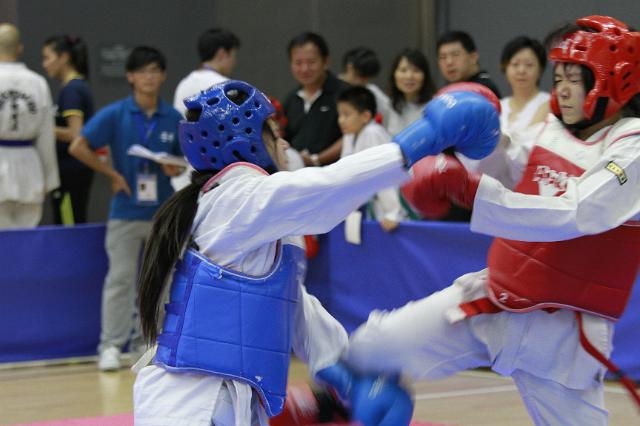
point(232, 325)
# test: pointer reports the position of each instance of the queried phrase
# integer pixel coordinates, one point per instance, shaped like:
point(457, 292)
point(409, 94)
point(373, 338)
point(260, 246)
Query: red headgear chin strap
point(612, 53)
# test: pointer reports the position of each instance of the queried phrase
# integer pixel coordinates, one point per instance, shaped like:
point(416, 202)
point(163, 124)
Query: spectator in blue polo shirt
point(139, 187)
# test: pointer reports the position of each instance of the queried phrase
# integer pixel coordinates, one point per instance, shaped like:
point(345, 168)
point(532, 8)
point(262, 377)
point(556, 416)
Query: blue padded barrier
point(50, 291)
point(51, 280)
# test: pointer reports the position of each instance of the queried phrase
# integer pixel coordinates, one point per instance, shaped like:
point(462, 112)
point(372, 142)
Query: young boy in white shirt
point(356, 113)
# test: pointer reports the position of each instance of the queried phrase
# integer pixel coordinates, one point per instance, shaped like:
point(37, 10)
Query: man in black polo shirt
point(458, 60)
point(312, 117)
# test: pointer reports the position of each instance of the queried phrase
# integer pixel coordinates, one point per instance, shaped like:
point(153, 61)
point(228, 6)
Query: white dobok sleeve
point(604, 197)
point(254, 209)
point(318, 339)
point(508, 160)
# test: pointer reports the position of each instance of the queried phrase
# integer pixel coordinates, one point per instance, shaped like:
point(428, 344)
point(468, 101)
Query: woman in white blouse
point(523, 61)
point(411, 88)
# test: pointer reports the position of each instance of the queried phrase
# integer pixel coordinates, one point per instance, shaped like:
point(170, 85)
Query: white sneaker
point(109, 359)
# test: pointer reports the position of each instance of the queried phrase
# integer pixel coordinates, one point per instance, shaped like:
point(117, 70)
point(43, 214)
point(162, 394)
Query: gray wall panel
point(159, 23)
point(9, 11)
point(385, 26)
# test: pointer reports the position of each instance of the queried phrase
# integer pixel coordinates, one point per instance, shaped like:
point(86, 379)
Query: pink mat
point(116, 420)
point(124, 420)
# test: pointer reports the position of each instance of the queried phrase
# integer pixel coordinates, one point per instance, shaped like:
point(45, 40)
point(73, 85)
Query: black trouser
point(76, 183)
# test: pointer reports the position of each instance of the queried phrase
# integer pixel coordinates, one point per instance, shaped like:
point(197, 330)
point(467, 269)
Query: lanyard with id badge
point(146, 181)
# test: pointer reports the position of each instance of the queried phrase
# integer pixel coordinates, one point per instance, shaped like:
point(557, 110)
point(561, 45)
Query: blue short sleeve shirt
point(117, 125)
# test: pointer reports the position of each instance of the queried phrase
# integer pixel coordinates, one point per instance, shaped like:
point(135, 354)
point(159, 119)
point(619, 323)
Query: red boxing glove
point(437, 182)
point(307, 406)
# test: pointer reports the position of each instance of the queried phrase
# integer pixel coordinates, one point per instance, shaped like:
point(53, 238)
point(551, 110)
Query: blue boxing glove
point(465, 116)
point(375, 400)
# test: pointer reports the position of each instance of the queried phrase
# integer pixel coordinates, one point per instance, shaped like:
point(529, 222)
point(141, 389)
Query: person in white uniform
point(28, 165)
point(566, 252)
point(227, 245)
point(356, 112)
point(218, 51)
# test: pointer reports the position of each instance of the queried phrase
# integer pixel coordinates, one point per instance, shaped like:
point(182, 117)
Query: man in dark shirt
point(312, 117)
point(458, 60)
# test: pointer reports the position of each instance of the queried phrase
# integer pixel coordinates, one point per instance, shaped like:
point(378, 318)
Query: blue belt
point(15, 143)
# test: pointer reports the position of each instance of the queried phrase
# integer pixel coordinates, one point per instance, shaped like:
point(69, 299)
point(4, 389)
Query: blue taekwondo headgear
point(226, 132)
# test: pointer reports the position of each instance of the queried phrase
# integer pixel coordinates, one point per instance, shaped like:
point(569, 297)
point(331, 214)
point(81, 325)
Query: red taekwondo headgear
point(612, 53)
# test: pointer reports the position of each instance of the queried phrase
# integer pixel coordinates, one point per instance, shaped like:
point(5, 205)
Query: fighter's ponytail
point(170, 230)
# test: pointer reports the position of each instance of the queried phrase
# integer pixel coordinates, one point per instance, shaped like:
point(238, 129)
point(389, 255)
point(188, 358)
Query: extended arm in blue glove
point(375, 400)
point(465, 116)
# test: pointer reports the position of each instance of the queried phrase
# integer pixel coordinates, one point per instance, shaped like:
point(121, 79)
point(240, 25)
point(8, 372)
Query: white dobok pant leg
point(559, 382)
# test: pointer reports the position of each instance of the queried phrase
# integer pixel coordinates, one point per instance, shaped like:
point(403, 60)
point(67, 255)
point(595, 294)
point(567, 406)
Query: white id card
point(146, 188)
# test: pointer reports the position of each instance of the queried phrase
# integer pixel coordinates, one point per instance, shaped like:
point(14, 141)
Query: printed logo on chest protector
point(550, 182)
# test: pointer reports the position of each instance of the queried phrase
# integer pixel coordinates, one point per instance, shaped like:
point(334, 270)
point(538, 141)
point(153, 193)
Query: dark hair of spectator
point(363, 60)
point(417, 59)
point(214, 39)
point(360, 98)
point(141, 56)
point(520, 43)
point(75, 47)
point(457, 36)
point(309, 37)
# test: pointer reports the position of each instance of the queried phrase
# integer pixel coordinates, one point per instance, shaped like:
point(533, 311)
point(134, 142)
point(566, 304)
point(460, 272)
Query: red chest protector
point(593, 273)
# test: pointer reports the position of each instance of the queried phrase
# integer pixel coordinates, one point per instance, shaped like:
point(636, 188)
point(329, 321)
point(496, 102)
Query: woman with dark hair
point(411, 87)
point(523, 61)
point(566, 251)
point(65, 59)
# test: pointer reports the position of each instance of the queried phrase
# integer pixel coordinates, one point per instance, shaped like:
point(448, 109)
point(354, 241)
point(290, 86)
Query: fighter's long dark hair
point(170, 230)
